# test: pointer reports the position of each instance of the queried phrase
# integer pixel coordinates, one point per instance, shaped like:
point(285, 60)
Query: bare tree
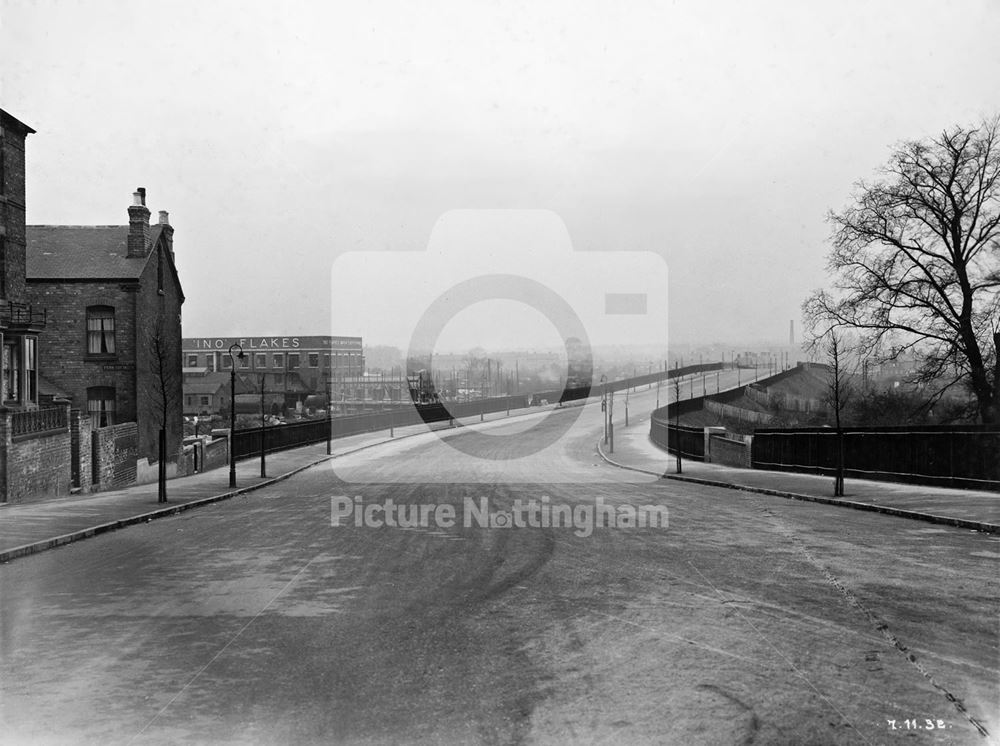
point(163, 388)
point(916, 258)
point(838, 398)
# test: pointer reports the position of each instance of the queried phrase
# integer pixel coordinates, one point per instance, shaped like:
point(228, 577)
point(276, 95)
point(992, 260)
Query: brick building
point(20, 321)
point(113, 338)
point(289, 368)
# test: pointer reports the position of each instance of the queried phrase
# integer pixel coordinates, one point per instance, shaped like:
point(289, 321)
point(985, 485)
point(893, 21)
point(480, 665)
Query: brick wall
point(729, 452)
point(115, 451)
point(82, 450)
point(62, 353)
point(35, 465)
point(158, 313)
point(12, 211)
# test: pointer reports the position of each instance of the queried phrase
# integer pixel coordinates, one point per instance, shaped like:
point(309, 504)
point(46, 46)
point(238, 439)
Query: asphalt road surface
point(748, 619)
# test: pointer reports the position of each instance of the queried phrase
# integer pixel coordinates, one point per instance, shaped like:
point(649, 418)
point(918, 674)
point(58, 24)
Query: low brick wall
point(35, 462)
point(729, 452)
point(115, 450)
point(216, 454)
point(38, 466)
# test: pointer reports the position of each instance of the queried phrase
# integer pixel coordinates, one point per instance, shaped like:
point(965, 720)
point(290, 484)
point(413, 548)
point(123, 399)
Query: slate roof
point(211, 387)
point(83, 252)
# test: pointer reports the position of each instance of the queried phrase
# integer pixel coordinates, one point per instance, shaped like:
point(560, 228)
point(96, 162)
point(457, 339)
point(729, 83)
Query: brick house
point(113, 337)
point(20, 322)
point(35, 443)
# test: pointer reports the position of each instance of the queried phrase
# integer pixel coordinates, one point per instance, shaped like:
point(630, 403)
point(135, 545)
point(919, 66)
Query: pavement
point(978, 510)
point(31, 527)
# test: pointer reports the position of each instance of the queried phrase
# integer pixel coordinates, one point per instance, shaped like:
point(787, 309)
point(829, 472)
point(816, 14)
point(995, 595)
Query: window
point(192, 361)
point(30, 368)
point(244, 361)
point(293, 360)
point(227, 362)
point(11, 372)
point(101, 405)
point(100, 330)
point(278, 359)
point(260, 360)
point(313, 359)
point(210, 361)
point(204, 401)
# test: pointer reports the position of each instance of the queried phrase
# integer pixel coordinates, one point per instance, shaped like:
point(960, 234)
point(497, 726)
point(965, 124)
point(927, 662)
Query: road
point(748, 619)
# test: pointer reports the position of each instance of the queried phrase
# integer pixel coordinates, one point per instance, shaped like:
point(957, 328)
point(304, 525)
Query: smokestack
point(791, 332)
point(138, 225)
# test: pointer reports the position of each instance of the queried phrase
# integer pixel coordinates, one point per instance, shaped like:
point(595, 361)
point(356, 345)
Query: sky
point(289, 141)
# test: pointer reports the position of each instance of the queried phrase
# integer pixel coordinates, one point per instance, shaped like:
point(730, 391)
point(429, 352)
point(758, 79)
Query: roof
point(9, 120)
point(201, 387)
point(83, 252)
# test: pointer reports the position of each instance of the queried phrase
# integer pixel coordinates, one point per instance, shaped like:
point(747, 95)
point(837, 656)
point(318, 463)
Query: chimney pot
point(164, 217)
point(142, 195)
point(136, 199)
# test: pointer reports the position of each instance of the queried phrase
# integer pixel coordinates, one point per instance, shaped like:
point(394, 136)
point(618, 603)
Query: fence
point(963, 456)
point(32, 421)
point(737, 413)
point(247, 443)
point(666, 435)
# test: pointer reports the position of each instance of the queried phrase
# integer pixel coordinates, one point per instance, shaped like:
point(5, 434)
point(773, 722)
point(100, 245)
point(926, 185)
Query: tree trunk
point(162, 471)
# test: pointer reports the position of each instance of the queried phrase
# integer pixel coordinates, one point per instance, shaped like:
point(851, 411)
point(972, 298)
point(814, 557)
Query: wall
point(12, 208)
point(159, 313)
point(115, 450)
point(34, 465)
point(729, 451)
point(62, 353)
point(81, 450)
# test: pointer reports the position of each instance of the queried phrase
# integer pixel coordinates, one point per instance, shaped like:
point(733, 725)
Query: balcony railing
point(22, 314)
point(31, 421)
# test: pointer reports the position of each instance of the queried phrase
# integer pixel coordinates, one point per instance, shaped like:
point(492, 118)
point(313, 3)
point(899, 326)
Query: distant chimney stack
point(164, 217)
point(138, 225)
point(791, 332)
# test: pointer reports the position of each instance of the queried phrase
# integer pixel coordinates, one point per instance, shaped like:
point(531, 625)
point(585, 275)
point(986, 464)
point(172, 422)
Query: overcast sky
point(281, 135)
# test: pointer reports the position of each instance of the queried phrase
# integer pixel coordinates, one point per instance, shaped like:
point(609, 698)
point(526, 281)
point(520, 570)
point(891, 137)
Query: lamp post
point(611, 421)
point(263, 426)
point(329, 415)
point(604, 405)
point(233, 356)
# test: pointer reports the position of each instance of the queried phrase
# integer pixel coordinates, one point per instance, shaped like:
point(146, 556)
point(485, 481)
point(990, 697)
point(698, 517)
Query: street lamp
point(263, 426)
point(604, 405)
point(232, 411)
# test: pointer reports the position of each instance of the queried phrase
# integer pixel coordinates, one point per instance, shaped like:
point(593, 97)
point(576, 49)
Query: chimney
point(791, 332)
point(168, 231)
point(138, 225)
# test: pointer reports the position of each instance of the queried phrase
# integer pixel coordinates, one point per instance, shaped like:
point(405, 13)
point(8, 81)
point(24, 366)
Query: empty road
point(747, 619)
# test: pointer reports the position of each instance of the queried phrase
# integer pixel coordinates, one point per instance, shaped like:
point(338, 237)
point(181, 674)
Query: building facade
point(288, 367)
point(21, 322)
point(113, 340)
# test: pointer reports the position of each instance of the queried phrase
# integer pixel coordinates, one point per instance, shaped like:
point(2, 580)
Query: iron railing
point(32, 421)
